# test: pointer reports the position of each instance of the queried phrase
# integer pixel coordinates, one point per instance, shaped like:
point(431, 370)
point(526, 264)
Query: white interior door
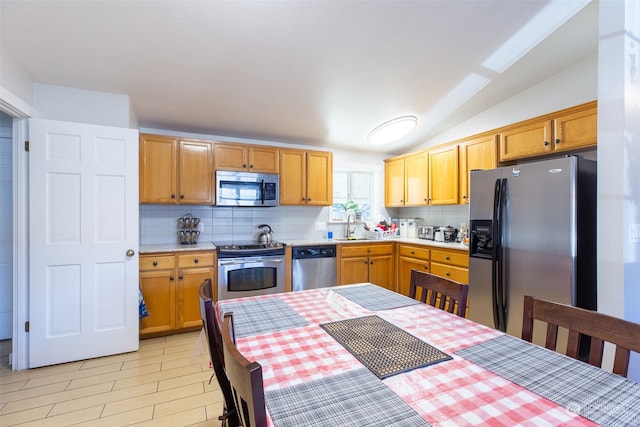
point(83, 218)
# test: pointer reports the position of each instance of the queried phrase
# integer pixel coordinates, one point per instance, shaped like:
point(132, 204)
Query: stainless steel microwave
point(246, 189)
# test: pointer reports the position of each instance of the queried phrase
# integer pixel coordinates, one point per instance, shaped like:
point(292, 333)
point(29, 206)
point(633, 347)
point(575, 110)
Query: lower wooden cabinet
point(451, 264)
point(169, 285)
point(369, 262)
point(411, 257)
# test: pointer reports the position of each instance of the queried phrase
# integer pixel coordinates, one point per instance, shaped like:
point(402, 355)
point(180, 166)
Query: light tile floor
point(165, 383)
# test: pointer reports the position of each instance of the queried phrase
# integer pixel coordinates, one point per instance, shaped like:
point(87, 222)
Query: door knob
point(130, 253)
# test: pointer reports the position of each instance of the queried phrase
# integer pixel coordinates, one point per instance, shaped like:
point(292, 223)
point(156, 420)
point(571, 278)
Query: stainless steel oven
point(250, 269)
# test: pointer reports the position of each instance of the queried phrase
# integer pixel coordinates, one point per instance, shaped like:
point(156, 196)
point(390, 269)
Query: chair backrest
point(600, 327)
point(439, 292)
point(214, 338)
point(245, 378)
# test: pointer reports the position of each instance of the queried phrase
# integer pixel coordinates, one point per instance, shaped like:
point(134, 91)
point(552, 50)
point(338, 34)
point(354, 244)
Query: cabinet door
point(157, 169)
point(415, 168)
point(264, 159)
point(319, 178)
point(382, 272)
point(159, 296)
point(195, 172)
point(394, 182)
point(443, 176)
point(480, 153)
point(292, 177)
point(231, 157)
point(188, 304)
point(405, 265)
point(354, 270)
point(529, 140)
point(577, 129)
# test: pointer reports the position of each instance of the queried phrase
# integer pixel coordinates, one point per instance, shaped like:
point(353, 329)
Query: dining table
point(362, 355)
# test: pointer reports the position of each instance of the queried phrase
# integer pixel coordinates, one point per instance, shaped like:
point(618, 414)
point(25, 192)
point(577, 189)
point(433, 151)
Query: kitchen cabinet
point(443, 175)
point(570, 129)
point(451, 264)
point(370, 262)
point(169, 285)
point(306, 177)
point(411, 257)
point(246, 158)
point(394, 182)
point(176, 171)
point(476, 153)
point(416, 179)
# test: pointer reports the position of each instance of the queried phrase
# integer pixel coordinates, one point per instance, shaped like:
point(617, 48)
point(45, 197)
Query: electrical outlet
point(321, 226)
point(634, 233)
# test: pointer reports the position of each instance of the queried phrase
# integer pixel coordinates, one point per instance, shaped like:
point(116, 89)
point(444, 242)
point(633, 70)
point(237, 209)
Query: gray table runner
point(262, 315)
point(383, 347)
point(351, 399)
point(374, 297)
point(602, 397)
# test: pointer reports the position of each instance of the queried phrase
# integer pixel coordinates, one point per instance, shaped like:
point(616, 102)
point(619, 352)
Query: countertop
point(209, 246)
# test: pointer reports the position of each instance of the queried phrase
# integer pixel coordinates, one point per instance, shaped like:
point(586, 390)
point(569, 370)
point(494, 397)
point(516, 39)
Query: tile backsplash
point(158, 223)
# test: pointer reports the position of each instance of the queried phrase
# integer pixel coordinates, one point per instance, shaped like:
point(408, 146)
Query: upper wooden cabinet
point(416, 179)
point(248, 158)
point(443, 175)
point(176, 171)
point(476, 153)
point(394, 182)
point(570, 129)
point(306, 177)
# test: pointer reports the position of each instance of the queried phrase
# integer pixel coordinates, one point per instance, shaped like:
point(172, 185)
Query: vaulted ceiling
point(322, 73)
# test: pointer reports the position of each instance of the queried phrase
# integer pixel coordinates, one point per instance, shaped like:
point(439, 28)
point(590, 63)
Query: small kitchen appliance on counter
point(427, 232)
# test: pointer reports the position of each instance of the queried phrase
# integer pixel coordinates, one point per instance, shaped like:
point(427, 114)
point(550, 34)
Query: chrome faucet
point(348, 232)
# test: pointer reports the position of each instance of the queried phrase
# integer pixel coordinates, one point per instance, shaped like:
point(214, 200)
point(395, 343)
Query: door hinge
point(26, 146)
point(26, 326)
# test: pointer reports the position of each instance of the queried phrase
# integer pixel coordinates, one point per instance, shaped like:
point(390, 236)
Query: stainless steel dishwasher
point(313, 267)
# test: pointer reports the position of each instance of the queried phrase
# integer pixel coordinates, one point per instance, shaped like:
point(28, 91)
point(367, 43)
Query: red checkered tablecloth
point(450, 393)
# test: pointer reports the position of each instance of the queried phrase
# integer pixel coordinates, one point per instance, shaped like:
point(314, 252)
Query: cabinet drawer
point(450, 257)
point(457, 274)
point(199, 259)
point(414, 252)
point(157, 262)
point(349, 250)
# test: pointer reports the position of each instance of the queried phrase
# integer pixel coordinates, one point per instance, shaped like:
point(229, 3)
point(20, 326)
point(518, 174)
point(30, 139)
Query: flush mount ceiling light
point(392, 130)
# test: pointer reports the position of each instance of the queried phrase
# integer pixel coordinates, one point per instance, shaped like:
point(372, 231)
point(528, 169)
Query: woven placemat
point(383, 347)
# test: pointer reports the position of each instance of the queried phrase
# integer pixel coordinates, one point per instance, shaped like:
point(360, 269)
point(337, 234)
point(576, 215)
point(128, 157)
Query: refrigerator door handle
point(495, 308)
point(501, 289)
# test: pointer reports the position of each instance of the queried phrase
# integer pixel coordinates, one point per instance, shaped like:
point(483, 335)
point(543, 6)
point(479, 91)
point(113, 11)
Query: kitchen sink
point(344, 239)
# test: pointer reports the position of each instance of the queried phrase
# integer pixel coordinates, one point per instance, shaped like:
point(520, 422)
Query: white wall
point(82, 106)
point(16, 88)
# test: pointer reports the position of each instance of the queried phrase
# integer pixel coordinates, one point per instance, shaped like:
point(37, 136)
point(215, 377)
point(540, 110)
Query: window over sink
point(352, 194)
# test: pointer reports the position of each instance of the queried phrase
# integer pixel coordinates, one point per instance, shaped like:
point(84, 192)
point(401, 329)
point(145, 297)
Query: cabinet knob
point(546, 143)
point(173, 196)
point(557, 141)
point(304, 200)
point(244, 165)
point(464, 197)
point(426, 268)
point(447, 258)
point(195, 261)
point(447, 274)
point(171, 278)
point(251, 166)
point(155, 263)
point(182, 196)
point(412, 252)
point(180, 277)
point(309, 199)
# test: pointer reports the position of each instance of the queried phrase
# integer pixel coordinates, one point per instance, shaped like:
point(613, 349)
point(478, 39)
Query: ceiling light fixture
point(392, 130)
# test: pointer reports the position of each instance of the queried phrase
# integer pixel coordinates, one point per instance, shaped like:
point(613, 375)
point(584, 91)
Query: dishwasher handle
point(309, 252)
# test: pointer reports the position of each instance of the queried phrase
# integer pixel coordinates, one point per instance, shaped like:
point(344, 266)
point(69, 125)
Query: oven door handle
point(249, 260)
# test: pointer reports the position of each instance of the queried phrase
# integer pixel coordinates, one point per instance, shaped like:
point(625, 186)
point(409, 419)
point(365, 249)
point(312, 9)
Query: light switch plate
point(634, 233)
point(321, 226)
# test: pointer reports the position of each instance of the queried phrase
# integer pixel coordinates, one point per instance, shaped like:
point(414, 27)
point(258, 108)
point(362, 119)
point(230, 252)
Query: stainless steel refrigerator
point(533, 232)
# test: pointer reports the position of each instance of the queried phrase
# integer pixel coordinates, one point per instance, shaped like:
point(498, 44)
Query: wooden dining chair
point(600, 327)
point(214, 339)
point(439, 292)
point(245, 378)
